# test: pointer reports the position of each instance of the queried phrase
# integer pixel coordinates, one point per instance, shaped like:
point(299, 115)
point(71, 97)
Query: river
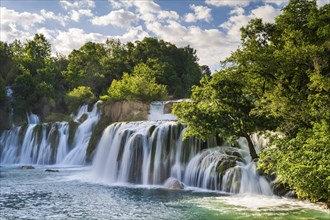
point(73, 193)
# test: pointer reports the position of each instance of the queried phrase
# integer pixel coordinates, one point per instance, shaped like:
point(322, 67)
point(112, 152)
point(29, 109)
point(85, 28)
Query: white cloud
point(238, 19)
point(147, 6)
point(117, 4)
point(237, 11)
point(50, 15)
point(230, 3)
point(168, 15)
point(119, 18)
point(24, 19)
point(78, 4)
point(66, 41)
point(78, 8)
point(76, 14)
point(211, 44)
point(74, 38)
point(277, 2)
point(133, 34)
point(16, 25)
point(200, 13)
point(321, 3)
point(267, 13)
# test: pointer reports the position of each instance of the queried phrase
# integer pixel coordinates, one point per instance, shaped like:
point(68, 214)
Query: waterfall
point(82, 136)
point(157, 112)
point(153, 151)
point(48, 143)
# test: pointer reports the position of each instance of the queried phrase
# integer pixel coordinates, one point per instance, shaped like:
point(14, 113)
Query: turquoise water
point(72, 194)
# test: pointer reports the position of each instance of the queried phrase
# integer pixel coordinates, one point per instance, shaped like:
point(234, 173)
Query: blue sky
point(209, 26)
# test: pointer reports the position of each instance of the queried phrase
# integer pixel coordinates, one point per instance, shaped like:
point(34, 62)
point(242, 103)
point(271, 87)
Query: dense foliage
point(45, 84)
point(81, 94)
point(140, 86)
point(279, 80)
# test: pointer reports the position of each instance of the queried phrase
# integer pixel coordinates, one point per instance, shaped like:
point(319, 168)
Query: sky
point(212, 27)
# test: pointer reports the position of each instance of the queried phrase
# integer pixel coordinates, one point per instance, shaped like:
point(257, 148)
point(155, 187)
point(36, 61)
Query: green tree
point(85, 69)
point(37, 53)
point(177, 68)
point(222, 106)
point(79, 96)
point(140, 86)
point(278, 80)
point(302, 162)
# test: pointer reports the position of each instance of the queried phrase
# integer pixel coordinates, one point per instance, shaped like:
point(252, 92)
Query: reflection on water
point(36, 194)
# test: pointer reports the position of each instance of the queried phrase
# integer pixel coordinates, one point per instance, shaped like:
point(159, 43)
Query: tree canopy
point(277, 81)
point(42, 83)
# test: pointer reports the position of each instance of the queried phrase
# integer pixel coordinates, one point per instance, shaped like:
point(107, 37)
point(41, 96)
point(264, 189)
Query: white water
point(43, 143)
point(147, 153)
point(151, 152)
point(82, 136)
point(157, 112)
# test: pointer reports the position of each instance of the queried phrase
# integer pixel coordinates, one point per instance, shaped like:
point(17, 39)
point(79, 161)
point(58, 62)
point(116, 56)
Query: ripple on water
point(35, 194)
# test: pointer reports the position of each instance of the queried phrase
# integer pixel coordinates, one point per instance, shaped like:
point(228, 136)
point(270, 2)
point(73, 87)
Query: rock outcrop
point(27, 167)
point(126, 111)
point(172, 183)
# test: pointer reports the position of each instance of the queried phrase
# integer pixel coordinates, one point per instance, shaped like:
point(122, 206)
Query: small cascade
point(157, 112)
point(33, 119)
point(48, 143)
point(82, 136)
point(152, 152)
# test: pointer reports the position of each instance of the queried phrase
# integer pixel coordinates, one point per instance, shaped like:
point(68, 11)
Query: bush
point(141, 86)
point(302, 162)
point(78, 96)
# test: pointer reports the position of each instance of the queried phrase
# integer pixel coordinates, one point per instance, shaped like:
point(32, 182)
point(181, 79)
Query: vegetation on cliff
point(277, 81)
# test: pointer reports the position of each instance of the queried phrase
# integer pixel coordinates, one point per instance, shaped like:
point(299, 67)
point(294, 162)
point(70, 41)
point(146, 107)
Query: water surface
point(71, 194)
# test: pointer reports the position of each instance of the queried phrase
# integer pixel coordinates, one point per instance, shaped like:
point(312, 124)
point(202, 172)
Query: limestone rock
point(172, 183)
point(126, 111)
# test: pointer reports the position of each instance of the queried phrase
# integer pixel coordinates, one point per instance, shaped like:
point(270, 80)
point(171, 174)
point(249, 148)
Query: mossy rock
point(96, 136)
point(83, 118)
point(55, 117)
point(26, 167)
point(72, 130)
point(225, 164)
point(279, 188)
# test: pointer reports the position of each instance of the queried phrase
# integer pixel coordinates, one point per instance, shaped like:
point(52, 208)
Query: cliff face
point(125, 111)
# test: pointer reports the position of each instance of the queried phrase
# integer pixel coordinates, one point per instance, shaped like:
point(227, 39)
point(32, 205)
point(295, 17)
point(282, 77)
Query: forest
point(52, 86)
point(277, 84)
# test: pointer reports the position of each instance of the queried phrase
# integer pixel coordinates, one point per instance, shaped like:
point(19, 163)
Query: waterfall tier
point(49, 143)
point(151, 152)
point(145, 152)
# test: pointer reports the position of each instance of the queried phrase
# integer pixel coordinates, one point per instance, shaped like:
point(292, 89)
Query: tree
point(302, 162)
point(279, 81)
point(222, 106)
point(85, 69)
point(177, 68)
point(140, 86)
point(37, 53)
point(79, 96)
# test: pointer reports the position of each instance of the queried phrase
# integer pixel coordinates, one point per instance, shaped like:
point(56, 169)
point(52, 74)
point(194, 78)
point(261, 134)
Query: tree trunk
point(251, 147)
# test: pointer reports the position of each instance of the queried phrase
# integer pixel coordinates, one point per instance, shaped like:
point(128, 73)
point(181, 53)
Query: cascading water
point(82, 136)
point(157, 112)
point(48, 143)
point(153, 151)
